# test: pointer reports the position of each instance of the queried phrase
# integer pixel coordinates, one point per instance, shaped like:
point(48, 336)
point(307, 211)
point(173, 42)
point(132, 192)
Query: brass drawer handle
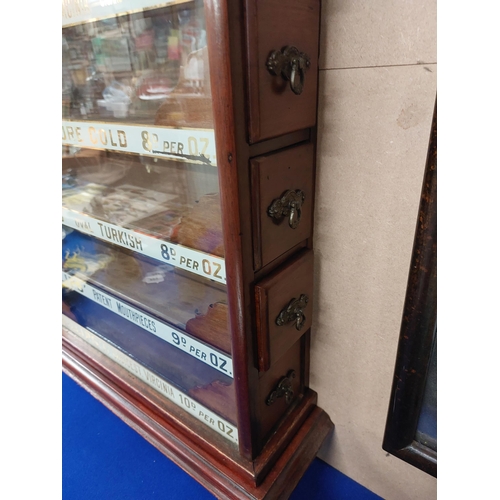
point(291, 64)
point(294, 312)
point(284, 388)
point(289, 204)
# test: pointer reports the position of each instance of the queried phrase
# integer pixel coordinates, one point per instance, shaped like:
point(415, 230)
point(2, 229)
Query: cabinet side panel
point(229, 121)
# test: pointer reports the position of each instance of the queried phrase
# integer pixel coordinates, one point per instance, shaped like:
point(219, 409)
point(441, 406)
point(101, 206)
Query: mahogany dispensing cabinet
point(188, 167)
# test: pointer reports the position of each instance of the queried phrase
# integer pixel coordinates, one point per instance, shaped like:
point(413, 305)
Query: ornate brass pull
point(284, 388)
point(294, 312)
point(290, 203)
point(291, 64)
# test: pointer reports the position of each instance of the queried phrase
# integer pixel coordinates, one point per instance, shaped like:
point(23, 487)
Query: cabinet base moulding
point(219, 472)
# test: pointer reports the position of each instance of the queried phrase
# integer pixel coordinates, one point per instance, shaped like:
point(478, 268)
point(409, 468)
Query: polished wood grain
point(212, 327)
point(271, 415)
point(272, 295)
point(226, 76)
point(178, 436)
point(273, 175)
point(281, 142)
point(297, 456)
point(273, 108)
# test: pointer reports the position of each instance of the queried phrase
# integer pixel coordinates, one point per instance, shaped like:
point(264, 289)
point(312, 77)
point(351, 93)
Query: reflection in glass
point(427, 423)
point(142, 249)
point(145, 67)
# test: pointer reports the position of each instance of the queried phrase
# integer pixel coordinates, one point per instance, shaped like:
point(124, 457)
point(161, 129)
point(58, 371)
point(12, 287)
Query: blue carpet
point(104, 459)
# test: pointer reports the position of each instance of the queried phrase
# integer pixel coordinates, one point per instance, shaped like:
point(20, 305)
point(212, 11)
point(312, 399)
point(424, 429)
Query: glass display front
point(143, 269)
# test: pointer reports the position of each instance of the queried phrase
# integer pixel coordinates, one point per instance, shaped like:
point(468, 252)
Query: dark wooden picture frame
point(418, 329)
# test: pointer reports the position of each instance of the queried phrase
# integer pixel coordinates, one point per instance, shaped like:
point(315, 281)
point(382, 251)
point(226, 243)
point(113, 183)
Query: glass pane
point(148, 67)
point(427, 422)
point(142, 250)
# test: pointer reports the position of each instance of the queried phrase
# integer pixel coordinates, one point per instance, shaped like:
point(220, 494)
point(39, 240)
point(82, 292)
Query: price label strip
point(80, 11)
point(194, 261)
point(177, 338)
point(197, 410)
point(188, 145)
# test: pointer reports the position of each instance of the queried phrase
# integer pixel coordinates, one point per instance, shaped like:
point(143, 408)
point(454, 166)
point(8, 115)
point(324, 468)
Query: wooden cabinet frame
point(273, 452)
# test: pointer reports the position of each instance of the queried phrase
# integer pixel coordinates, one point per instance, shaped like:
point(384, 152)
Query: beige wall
point(377, 90)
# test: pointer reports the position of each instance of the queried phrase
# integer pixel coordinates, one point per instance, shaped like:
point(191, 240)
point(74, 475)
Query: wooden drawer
point(272, 25)
point(283, 308)
point(278, 389)
point(282, 192)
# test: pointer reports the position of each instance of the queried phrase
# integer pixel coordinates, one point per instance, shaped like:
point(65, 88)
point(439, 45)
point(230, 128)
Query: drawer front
point(283, 192)
point(278, 390)
point(283, 99)
point(284, 303)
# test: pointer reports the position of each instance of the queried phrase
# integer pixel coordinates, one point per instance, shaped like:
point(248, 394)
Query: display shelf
point(174, 336)
point(183, 300)
point(193, 261)
point(171, 391)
